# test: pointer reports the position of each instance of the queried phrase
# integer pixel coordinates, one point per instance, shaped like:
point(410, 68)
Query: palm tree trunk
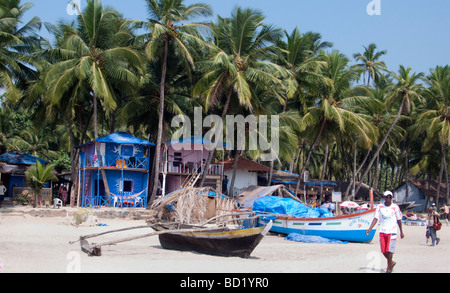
point(212, 153)
point(353, 180)
point(97, 147)
point(74, 176)
point(94, 102)
point(269, 179)
point(160, 122)
point(233, 177)
point(324, 167)
point(381, 146)
point(306, 163)
point(407, 170)
point(441, 172)
point(446, 173)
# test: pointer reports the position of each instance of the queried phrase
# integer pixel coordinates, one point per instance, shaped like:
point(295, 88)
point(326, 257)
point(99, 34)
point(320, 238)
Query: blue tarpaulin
point(195, 140)
point(288, 206)
point(124, 138)
point(18, 158)
point(311, 239)
point(120, 138)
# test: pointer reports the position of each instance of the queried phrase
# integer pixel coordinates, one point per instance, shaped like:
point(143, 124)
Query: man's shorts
point(387, 242)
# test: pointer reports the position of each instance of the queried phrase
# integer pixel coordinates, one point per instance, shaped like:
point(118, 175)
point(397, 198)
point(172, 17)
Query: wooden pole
point(371, 198)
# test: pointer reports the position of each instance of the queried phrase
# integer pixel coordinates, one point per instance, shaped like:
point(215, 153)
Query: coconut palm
point(239, 64)
point(17, 66)
point(168, 28)
point(37, 176)
point(332, 110)
point(370, 63)
point(91, 59)
point(403, 94)
point(299, 56)
point(436, 118)
point(34, 140)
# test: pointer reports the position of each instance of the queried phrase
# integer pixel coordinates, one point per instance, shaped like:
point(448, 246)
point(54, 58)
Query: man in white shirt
point(390, 217)
point(2, 193)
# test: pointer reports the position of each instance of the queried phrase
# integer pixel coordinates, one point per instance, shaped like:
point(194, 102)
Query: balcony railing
point(114, 161)
point(189, 168)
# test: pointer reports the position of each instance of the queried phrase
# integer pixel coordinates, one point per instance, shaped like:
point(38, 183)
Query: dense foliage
point(104, 73)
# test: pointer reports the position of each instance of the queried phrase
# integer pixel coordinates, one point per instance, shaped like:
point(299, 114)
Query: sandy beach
point(30, 244)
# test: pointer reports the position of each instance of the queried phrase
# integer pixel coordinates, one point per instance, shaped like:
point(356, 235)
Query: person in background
point(225, 185)
point(64, 195)
point(433, 217)
point(390, 218)
point(446, 212)
point(2, 193)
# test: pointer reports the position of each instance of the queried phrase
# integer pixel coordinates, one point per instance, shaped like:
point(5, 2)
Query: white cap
point(388, 193)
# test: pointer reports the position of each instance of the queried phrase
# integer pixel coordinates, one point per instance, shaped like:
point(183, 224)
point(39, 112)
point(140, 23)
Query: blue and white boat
point(350, 227)
point(290, 215)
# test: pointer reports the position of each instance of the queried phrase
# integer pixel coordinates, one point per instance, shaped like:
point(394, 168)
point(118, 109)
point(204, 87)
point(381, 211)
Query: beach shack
point(114, 171)
point(183, 161)
point(248, 173)
point(422, 193)
point(13, 166)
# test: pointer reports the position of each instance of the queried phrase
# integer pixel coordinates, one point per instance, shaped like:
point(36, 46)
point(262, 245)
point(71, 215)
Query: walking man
point(390, 217)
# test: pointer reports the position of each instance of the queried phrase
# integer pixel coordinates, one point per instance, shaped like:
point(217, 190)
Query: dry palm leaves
point(192, 205)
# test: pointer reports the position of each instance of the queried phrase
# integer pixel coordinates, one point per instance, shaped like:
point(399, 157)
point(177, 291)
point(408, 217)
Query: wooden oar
point(108, 232)
point(95, 249)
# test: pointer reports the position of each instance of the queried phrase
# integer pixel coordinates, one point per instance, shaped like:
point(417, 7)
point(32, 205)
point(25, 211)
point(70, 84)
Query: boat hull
point(350, 228)
point(228, 243)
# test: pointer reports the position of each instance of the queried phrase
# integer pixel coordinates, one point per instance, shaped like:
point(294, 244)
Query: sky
point(415, 33)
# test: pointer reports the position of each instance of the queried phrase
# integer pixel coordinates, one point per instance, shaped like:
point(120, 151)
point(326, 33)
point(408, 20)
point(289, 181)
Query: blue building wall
point(126, 168)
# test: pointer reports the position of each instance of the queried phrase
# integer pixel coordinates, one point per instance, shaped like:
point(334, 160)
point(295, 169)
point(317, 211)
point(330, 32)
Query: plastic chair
point(57, 203)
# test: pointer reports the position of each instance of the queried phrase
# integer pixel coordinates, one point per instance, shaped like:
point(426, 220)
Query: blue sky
point(415, 33)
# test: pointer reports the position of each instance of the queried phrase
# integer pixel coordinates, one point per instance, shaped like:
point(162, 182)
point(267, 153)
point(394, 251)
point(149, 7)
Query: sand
point(30, 244)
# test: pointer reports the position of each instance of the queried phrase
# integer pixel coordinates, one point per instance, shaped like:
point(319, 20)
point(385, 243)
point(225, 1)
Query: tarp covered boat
point(290, 216)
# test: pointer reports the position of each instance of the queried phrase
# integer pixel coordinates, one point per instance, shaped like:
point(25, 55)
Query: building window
point(127, 186)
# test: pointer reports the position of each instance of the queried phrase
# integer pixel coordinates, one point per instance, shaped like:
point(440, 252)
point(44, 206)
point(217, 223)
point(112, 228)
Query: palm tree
point(332, 110)
point(6, 127)
point(18, 43)
point(436, 118)
point(239, 64)
point(93, 55)
point(92, 59)
point(370, 63)
point(36, 141)
point(166, 24)
point(37, 176)
point(403, 94)
point(299, 56)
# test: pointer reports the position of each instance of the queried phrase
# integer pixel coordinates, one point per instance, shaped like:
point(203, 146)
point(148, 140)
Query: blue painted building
point(13, 166)
point(114, 171)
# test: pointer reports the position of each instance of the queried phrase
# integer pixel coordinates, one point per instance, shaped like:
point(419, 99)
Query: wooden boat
point(220, 242)
point(350, 227)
